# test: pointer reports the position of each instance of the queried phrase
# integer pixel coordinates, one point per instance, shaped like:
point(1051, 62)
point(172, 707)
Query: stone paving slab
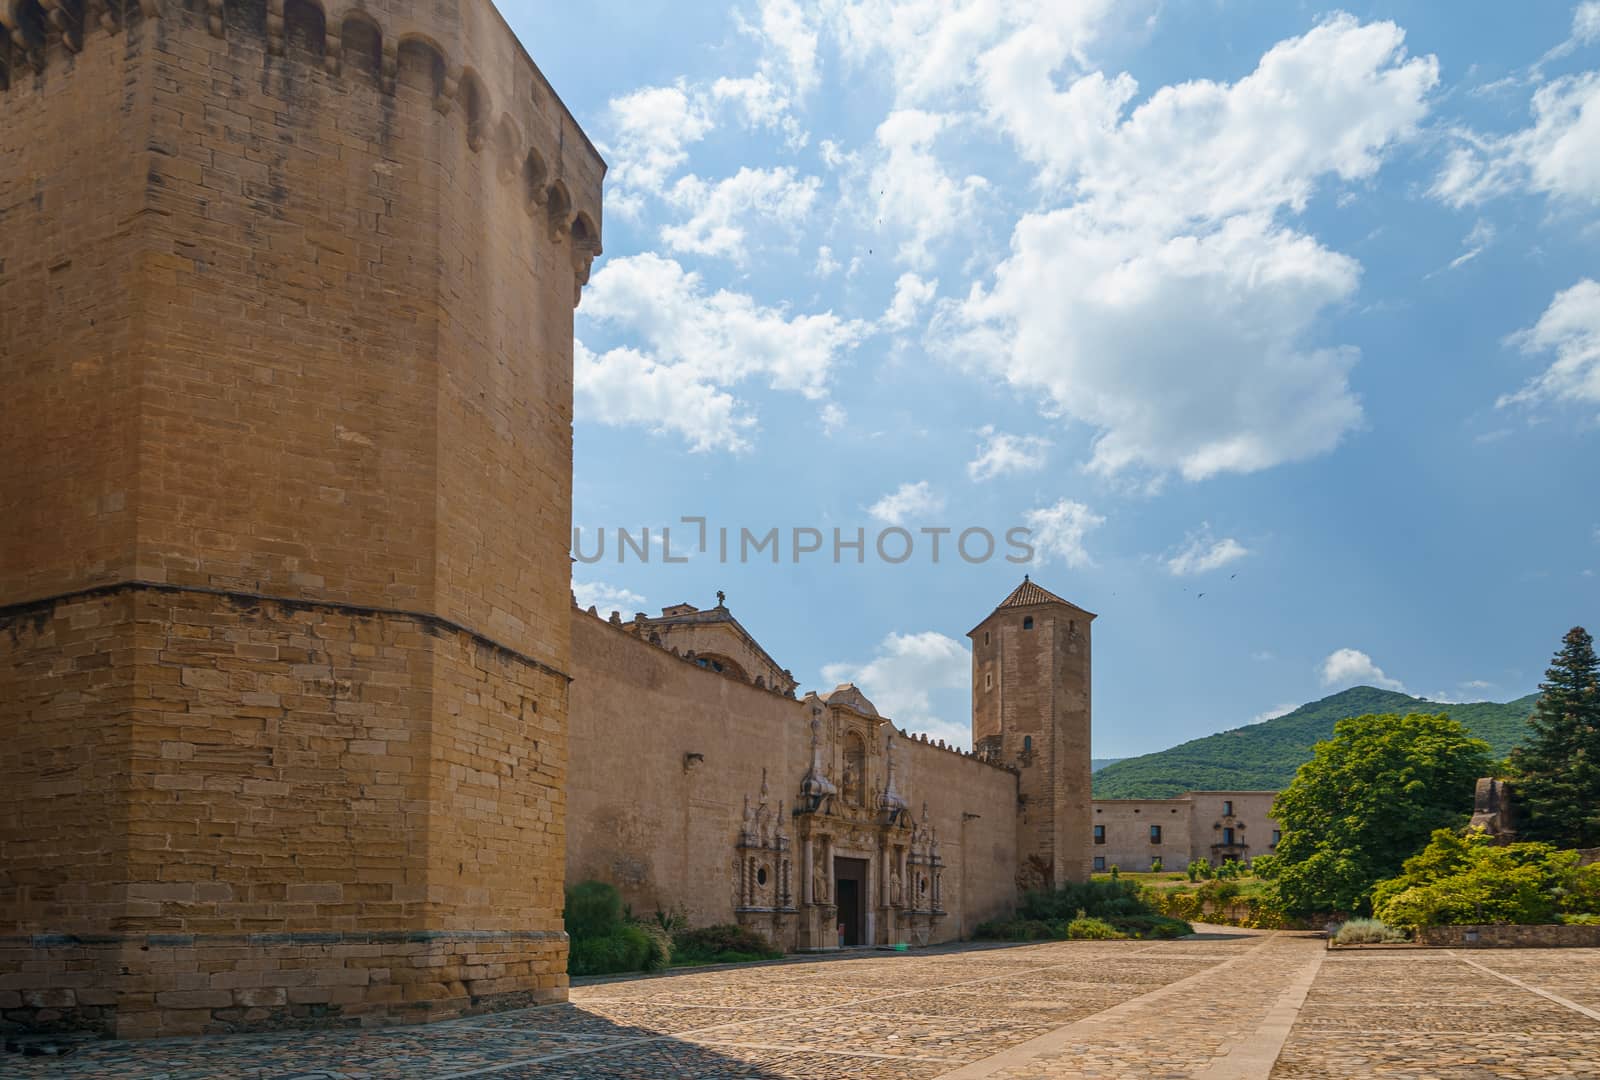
point(1239, 1006)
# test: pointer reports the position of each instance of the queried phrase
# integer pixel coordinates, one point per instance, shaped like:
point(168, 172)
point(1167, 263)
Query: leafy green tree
point(1368, 798)
point(1557, 770)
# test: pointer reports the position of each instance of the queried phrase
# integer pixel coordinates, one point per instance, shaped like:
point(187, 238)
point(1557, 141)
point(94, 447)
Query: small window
point(1027, 744)
point(1155, 834)
point(1027, 622)
point(1227, 808)
point(1227, 836)
point(1276, 836)
point(1099, 835)
point(986, 637)
point(1099, 862)
point(761, 876)
point(988, 680)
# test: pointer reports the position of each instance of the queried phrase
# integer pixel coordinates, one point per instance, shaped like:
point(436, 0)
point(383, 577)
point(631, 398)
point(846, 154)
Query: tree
point(1368, 798)
point(1557, 770)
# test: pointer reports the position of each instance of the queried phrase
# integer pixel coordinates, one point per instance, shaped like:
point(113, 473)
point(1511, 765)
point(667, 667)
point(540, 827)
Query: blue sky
point(1292, 306)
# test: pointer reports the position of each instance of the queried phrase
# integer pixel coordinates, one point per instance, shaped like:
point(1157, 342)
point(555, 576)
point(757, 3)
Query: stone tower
point(1031, 710)
point(285, 498)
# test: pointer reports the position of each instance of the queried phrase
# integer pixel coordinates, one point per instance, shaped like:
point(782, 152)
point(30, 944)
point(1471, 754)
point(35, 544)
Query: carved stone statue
point(819, 883)
point(851, 784)
point(896, 889)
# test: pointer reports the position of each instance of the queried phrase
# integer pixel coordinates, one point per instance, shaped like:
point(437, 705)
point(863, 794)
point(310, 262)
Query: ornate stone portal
point(869, 873)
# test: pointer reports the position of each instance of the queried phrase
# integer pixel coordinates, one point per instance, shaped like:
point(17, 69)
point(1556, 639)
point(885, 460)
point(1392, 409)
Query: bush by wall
point(725, 944)
point(602, 941)
point(1463, 879)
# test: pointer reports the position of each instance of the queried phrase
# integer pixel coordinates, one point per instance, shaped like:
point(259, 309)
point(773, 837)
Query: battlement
point(463, 55)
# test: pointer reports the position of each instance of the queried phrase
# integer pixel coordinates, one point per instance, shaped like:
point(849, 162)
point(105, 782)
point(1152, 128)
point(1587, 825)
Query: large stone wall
point(285, 495)
point(664, 754)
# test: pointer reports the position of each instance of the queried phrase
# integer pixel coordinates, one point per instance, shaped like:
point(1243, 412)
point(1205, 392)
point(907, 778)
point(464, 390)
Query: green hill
point(1096, 764)
point(1265, 756)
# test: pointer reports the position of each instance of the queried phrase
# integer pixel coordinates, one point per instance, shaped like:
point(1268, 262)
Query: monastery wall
point(285, 489)
point(665, 753)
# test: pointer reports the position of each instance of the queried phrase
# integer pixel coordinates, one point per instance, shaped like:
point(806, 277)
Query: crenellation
point(304, 34)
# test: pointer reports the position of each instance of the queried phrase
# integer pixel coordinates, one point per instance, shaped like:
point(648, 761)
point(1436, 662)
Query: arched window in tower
point(1027, 744)
point(1027, 622)
point(855, 770)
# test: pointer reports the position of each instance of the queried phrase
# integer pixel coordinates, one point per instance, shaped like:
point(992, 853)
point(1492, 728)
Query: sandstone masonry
point(285, 493)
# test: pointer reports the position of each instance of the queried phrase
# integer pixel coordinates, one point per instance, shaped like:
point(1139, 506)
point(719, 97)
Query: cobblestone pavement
point(1224, 1006)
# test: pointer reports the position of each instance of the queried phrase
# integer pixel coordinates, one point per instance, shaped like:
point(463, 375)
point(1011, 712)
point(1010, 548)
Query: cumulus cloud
point(723, 211)
point(1554, 155)
point(1000, 453)
point(1569, 328)
point(1352, 667)
point(908, 502)
point(1202, 552)
point(1166, 304)
point(1273, 713)
point(1059, 531)
point(606, 598)
point(690, 345)
point(911, 295)
point(916, 197)
point(904, 674)
point(653, 126)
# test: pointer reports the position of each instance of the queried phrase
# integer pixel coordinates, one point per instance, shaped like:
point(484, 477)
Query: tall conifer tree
point(1558, 768)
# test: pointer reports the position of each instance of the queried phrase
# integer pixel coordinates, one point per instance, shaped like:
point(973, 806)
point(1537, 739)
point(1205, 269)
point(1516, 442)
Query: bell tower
point(1031, 710)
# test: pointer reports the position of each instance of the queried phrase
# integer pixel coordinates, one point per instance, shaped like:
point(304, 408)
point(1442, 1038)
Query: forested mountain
point(1265, 756)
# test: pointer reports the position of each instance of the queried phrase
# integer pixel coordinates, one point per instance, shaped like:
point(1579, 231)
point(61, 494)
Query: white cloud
point(692, 345)
point(653, 127)
point(1352, 667)
point(606, 598)
point(1166, 305)
point(911, 295)
point(932, 47)
point(625, 388)
point(827, 265)
point(833, 417)
point(908, 502)
point(1202, 552)
point(916, 197)
point(1001, 453)
point(901, 677)
point(1570, 328)
point(1273, 713)
point(722, 211)
point(1554, 156)
point(1059, 530)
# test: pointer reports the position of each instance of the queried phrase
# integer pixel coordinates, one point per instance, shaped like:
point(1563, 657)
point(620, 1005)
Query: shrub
point(1176, 903)
point(1463, 878)
point(1155, 865)
point(1365, 932)
point(1097, 899)
point(724, 944)
point(1200, 868)
point(1219, 894)
point(626, 948)
point(1150, 926)
point(593, 910)
point(1581, 920)
point(1091, 929)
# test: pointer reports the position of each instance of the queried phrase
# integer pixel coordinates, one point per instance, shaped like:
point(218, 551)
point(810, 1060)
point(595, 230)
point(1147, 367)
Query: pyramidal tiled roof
point(1030, 592)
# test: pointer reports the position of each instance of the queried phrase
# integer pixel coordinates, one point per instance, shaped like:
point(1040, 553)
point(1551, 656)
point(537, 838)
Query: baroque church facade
point(700, 781)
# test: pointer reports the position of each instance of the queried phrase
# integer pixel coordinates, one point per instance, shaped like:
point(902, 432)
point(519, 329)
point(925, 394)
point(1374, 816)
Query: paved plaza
point(1234, 1004)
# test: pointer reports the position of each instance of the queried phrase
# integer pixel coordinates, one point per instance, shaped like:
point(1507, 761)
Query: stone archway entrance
point(850, 885)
